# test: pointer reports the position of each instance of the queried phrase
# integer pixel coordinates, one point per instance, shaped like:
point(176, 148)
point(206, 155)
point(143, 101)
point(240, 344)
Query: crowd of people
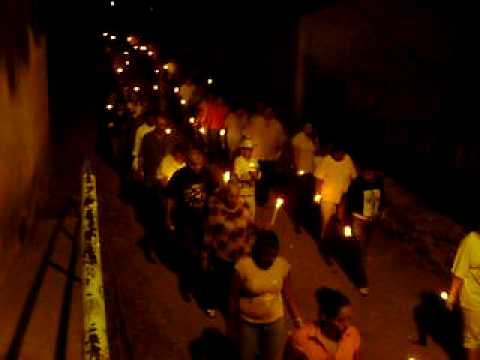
point(199, 167)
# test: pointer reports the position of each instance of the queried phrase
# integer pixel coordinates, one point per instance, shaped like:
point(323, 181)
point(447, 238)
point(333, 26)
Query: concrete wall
point(24, 129)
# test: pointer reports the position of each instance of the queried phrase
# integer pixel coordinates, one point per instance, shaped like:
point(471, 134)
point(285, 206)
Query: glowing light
point(444, 295)
point(109, 107)
point(127, 62)
point(150, 53)
point(300, 172)
point(252, 165)
point(105, 34)
point(157, 71)
point(168, 131)
point(279, 203)
point(222, 132)
point(317, 198)
point(226, 177)
point(191, 120)
point(136, 88)
point(112, 3)
point(129, 39)
point(119, 70)
point(176, 89)
point(165, 67)
point(411, 358)
point(202, 130)
point(143, 48)
point(113, 37)
point(110, 125)
point(155, 87)
point(210, 81)
point(347, 231)
point(125, 53)
point(136, 47)
point(183, 102)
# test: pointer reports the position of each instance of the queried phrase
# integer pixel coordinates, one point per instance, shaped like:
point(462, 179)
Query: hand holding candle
point(317, 198)
point(278, 204)
point(300, 172)
point(226, 177)
point(347, 231)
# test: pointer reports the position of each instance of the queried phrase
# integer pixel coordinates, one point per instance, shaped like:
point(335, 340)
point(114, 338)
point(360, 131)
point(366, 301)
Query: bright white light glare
point(347, 231)
point(226, 177)
point(411, 358)
point(125, 53)
point(168, 131)
point(165, 67)
point(136, 47)
point(279, 203)
point(119, 70)
point(136, 88)
point(222, 132)
point(105, 34)
point(202, 130)
point(127, 62)
point(191, 120)
point(143, 48)
point(444, 295)
point(210, 81)
point(300, 172)
point(150, 53)
point(109, 107)
point(155, 87)
point(183, 102)
point(157, 71)
point(176, 89)
point(112, 3)
point(317, 198)
point(112, 37)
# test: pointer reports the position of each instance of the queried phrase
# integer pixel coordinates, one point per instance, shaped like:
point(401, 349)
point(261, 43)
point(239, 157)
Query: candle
point(226, 177)
point(278, 204)
point(176, 89)
point(444, 295)
point(136, 88)
point(143, 48)
point(129, 39)
point(183, 102)
point(113, 37)
point(136, 47)
point(165, 67)
point(155, 87)
point(150, 53)
point(191, 120)
point(168, 131)
point(210, 81)
point(112, 3)
point(119, 70)
point(109, 107)
point(317, 198)
point(110, 125)
point(252, 166)
point(157, 71)
point(202, 130)
point(347, 231)
point(300, 172)
point(222, 132)
point(125, 53)
point(105, 34)
point(127, 62)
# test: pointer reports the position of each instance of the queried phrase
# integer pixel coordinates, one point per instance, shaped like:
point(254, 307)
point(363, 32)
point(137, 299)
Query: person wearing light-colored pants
point(270, 338)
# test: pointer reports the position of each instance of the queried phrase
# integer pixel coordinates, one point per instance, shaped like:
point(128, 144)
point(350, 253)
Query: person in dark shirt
point(187, 199)
point(364, 201)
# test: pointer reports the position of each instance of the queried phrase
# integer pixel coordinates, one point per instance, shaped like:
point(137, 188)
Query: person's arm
point(291, 302)
point(318, 185)
point(455, 287)
point(460, 269)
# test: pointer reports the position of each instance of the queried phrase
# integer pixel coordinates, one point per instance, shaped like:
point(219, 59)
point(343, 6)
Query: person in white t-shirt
point(170, 164)
point(466, 288)
point(147, 127)
point(333, 178)
point(246, 173)
point(236, 124)
point(304, 147)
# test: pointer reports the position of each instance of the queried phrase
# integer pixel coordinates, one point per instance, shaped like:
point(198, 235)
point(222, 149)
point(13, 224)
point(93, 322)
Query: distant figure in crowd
point(333, 177)
point(364, 201)
point(246, 173)
point(261, 285)
point(187, 90)
point(268, 136)
point(171, 163)
point(187, 199)
point(236, 124)
point(466, 288)
point(147, 127)
point(304, 147)
point(331, 337)
point(229, 235)
point(212, 115)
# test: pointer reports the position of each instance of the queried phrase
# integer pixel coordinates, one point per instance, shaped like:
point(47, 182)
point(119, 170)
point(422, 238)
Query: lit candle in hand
point(300, 172)
point(317, 198)
point(168, 131)
point(444, 295)
point(226, 177)
point(347, 231)
point(278, 204)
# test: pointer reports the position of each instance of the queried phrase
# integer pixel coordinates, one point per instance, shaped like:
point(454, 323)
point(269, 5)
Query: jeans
point(266, 340)
point(303, 199)
point(266, 182)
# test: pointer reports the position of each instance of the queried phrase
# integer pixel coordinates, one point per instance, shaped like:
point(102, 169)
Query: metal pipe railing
point(95, 345)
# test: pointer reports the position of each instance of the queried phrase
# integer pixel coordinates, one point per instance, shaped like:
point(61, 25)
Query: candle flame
point(155, 87)
point(113, 37)
point(136, 47)
point(150, 53)
point(125, 53)
point(203, 130)
point(105, 34)
point(317, 198)
point(119, 70)
point(127, 62)
point(222, 132)
point(279, 203)
point(112, 3)
point(183, 102)
point(168, 131)
point(176, 89)
point(143, 48)
point(300, 172)
point(191, 120)
point(129, 38)
point(210, 81)
point(165, 67)
point(444, 295)
point(157, 71)
point(109, 107)
point(226, 177)
point(136, 88)
point(347, 231)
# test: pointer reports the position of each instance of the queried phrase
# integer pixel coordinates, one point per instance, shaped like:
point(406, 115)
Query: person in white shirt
point(147, 127)
point(333, 177)
point(304, 147)
point(268, 136)
point(246, 173)
point(466, 288)
point(236, 124)
point(170, 164)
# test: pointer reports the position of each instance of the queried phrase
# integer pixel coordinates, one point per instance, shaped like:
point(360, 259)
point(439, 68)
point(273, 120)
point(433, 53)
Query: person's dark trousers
point(266, 181)
point(303, 206)
point(154, 213)
point(354, 251)
point(217, 282)
point(216, 145)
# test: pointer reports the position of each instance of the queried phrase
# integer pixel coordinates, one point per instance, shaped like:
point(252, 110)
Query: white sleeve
point(461, 265)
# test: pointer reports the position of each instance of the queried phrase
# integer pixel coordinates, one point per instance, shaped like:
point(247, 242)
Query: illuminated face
point(179, 157)
point(233, 197)
point(343, 320)
point(161, 124)
point(246, 152)
point(196, 161)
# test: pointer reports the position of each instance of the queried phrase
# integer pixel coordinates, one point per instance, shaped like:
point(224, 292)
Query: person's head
point(334, 312)
point(178, 154)
point(308, 129)
point(266, 248)
point(231, 195)
point(196, 160)
point(337, 152)
point(246, 148)
point(161, 123)
point(150, 118)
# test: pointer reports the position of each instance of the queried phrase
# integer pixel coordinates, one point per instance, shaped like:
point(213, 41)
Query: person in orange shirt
point(212, 114)
point(331, 337)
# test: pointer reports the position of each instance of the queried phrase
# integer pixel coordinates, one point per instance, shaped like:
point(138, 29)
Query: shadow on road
point(212, 345)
